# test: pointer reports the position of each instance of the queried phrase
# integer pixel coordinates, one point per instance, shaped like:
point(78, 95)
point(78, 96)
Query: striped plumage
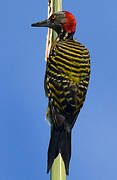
point(68, 67)
point(66, 82)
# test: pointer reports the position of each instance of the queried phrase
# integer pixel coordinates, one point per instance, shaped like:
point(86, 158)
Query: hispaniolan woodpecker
point(66, 82)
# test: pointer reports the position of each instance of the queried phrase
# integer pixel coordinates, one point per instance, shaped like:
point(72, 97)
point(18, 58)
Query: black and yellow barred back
point(67, 76)
point(66, 82)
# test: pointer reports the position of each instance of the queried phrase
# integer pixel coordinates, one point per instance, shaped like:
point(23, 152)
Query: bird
point(66, 83)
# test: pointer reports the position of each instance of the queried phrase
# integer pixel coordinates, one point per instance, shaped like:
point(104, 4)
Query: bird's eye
point(53, 17)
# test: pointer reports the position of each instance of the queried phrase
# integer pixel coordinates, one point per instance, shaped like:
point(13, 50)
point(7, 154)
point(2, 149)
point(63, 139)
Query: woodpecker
point(66, 82)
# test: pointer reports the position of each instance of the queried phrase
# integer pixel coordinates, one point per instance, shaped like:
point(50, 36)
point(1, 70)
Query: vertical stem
point(58, 168)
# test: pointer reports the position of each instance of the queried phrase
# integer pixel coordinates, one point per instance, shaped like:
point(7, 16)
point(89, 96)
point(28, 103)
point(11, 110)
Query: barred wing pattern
point(67, 78)
point(66, 82)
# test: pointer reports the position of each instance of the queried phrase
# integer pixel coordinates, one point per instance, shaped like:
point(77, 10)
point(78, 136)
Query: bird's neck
point(62, 36)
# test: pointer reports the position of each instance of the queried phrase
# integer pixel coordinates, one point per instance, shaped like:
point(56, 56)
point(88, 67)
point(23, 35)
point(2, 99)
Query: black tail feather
point(60, 142)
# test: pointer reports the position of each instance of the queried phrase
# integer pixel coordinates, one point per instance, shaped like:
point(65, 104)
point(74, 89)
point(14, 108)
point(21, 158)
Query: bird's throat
point(62, 36)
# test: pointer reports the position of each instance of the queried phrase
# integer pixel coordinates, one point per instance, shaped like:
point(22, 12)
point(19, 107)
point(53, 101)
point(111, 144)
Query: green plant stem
point(58, 169)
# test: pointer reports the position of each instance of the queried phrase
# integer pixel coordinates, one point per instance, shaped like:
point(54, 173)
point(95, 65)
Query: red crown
point(70, 25)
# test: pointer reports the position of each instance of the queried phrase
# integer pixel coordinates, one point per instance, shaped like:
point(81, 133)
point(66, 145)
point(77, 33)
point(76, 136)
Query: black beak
point(45, 23)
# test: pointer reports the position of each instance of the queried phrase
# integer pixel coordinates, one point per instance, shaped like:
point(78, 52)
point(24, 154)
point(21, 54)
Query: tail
point(60, 142)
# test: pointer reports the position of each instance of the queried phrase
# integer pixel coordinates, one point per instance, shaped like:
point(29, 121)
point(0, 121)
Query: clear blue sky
point(24, 134)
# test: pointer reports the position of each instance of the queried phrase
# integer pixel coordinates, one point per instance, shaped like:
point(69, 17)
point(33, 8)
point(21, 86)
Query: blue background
point(24, 134)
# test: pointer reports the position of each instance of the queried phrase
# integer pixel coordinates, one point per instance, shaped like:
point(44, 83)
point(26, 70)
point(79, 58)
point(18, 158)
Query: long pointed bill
point(45, 23)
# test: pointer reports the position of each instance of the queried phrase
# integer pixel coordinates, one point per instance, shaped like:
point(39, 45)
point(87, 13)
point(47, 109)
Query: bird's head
point(63, 22)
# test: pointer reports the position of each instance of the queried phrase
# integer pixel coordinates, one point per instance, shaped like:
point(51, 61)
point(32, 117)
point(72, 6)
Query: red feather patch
point(70, 25)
